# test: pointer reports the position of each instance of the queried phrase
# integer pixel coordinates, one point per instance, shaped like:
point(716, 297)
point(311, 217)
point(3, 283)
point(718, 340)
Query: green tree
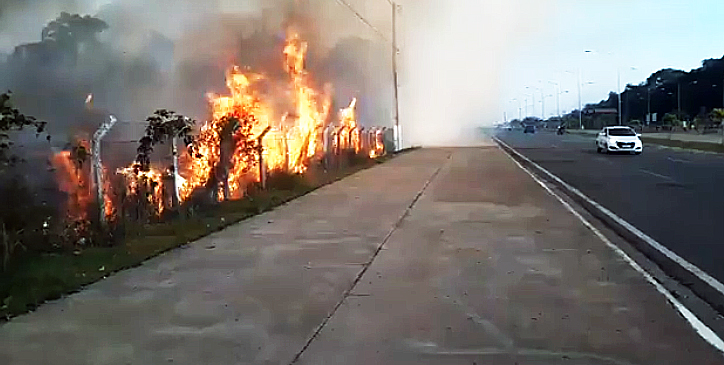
point(163, 126)
point(717, 115)
point(672, 120)
point(69, 31)
point(11, 119)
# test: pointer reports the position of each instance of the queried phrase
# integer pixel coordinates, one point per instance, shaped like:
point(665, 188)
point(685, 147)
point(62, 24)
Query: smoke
point(171, 53)
point(452, 58)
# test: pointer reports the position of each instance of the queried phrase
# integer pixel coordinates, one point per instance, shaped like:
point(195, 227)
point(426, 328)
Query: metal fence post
point(262, 165)
point(97, 166)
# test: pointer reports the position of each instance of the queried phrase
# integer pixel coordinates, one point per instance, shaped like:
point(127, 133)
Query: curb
point(702, 284)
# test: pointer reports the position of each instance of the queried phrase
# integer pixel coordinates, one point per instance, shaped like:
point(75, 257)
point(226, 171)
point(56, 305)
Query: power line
point(363, 20)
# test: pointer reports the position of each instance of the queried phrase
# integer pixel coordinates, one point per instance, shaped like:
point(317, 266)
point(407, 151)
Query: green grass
point(32, 280)
point(700, 146)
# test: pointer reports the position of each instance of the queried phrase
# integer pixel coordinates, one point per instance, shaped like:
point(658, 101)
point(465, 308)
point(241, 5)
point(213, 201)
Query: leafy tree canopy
point(11, 119)
point(163, 126)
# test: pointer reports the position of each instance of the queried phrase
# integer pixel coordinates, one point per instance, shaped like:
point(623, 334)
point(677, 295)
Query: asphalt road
point(674, 196)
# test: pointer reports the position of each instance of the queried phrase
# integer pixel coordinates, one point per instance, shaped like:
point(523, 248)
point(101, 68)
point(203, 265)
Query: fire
point(73, 180)
point(281, 120)
point(294, 137)
point(145, 185)
point(72, 168)
point(349, 134)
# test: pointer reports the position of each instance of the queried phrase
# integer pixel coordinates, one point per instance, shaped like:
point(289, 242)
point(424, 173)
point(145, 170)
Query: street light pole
point(620, 107)
point(398, 139)
point(678, 97)
point(580, 106)
point(558, 97)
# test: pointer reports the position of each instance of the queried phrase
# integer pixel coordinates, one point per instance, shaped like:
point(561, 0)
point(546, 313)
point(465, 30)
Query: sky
point(637, 37)
point(462, 62)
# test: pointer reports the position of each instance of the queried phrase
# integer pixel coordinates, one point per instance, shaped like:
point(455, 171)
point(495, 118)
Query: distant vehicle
point(529, 129)
point(619, 139)
point(561, 130)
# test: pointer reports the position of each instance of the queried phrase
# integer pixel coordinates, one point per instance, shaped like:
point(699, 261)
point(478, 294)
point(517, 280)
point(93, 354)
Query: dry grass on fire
point(31, 281)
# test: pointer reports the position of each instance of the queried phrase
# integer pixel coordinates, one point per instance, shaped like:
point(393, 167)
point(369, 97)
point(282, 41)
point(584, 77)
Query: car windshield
point(621, 132)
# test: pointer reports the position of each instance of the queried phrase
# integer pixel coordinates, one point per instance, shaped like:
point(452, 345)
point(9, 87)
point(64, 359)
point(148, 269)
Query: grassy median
point(699, 146)
point(675, 143)
point(34, 279)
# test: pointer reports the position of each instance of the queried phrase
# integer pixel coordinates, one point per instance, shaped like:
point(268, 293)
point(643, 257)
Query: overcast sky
point(646, 34)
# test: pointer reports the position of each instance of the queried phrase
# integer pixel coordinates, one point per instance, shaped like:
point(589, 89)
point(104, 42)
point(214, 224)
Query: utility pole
point(648, 104)
point(620, 107)
point(520, 109)
point(394, 75)
point(678, 96)
point(580, 106)
point(395, 51)
point(558, 102)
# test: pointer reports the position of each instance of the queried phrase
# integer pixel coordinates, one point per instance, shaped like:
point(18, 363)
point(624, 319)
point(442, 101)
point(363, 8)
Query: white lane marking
point(678, 160)
point(655, 174)
point(702, 329)
point(644, 237)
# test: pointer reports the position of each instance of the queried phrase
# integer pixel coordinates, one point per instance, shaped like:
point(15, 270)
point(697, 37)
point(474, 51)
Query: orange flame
point(73, 178)
point(294, 137)
point(143, 182)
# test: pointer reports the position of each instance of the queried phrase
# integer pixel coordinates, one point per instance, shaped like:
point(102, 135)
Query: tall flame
point(295, 134)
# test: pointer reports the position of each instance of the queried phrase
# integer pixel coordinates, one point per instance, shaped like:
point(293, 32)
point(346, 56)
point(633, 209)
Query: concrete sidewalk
point(480, 266)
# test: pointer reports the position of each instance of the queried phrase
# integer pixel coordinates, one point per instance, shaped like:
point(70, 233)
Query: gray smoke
point(171, 53)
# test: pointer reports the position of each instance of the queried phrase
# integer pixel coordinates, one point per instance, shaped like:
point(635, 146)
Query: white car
point(619, 139)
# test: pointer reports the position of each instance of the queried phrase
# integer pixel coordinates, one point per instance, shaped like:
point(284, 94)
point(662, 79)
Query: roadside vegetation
point(38, 274)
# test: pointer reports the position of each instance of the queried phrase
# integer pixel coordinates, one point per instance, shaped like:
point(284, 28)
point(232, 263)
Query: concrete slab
point(253, 293)
point(489, 269)
point(484, 268)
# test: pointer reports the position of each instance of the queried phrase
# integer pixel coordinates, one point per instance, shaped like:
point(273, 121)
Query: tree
point(11, 119)
point(69, 31)
point(237, 145)
point(671, 119)
point(717, 115)
point(163, 126)
point(73, 29)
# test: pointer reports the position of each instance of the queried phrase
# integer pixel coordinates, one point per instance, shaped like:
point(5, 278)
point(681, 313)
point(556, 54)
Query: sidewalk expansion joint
point(348, 292)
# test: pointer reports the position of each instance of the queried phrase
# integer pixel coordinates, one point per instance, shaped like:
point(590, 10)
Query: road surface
point(674, 196)
point(439, 256)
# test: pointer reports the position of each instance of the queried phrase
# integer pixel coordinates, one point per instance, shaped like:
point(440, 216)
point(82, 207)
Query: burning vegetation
point(262, 126)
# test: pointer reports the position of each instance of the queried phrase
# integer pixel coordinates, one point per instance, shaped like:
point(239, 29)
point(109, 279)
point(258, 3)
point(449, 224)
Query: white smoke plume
point(453, 54)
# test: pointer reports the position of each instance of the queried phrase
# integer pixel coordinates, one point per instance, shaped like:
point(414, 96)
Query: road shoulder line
point(699, 326)
point(703, 284)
